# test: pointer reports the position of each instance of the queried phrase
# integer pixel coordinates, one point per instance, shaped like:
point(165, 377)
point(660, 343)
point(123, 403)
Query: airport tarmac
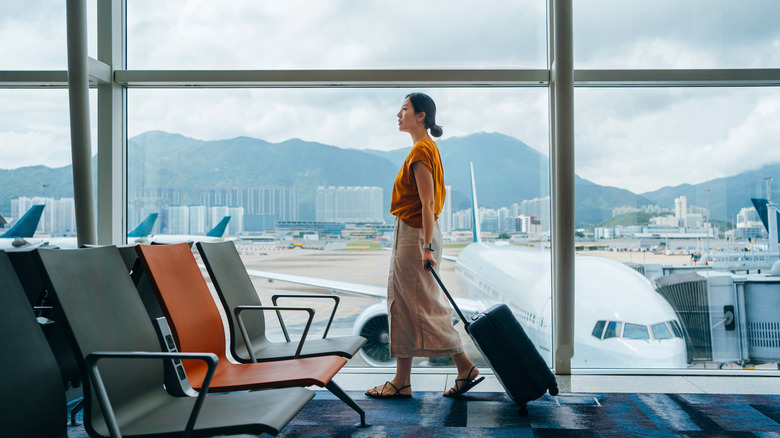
point(366, 267)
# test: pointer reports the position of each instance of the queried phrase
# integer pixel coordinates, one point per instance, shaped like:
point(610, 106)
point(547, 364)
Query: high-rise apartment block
point(349, 204)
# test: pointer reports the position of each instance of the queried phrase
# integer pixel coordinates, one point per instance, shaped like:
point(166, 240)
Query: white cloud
point(639, 139)
point(33, 148)
point(347, 34)
point(691, 136)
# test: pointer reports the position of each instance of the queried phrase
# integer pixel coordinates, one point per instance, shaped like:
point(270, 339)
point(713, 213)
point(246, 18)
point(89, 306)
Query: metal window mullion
point(332, 78)
point(562, 182)
point(112, 131)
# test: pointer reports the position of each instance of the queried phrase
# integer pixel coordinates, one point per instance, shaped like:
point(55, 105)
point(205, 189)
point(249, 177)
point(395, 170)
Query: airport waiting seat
point(24, 265)
point(141, 280)
point(197, 325)
point(31, 385)
point(50, 318)
point(107, 322)
point(235, 290)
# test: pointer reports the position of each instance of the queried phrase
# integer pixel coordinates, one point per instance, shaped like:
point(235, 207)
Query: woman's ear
point(420, 116)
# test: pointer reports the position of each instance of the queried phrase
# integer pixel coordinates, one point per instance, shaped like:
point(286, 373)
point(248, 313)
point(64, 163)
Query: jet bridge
point(726, 317)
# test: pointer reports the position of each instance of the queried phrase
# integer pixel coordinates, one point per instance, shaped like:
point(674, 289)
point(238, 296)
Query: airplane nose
point(658, 357)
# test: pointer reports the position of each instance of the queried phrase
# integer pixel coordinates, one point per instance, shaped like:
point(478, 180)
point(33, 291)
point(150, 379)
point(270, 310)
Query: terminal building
point(668, 104)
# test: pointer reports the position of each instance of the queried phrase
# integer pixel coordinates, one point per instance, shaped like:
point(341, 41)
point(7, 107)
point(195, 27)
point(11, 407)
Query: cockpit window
point(636, 331)
point(598, 330)
point(661, 331)
point(676, 328)
point(613, 329)
point(616, 329)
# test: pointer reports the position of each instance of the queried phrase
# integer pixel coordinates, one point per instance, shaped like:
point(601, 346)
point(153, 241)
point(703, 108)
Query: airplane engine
point(373, 325)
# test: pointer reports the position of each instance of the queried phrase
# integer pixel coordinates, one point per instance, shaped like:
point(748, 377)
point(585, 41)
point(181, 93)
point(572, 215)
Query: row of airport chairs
point(105, 299)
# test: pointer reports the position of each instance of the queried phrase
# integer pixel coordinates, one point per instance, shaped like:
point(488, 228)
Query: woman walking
point(420, 316)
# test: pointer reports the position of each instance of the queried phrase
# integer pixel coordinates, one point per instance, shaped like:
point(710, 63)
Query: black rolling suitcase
point(509, 352)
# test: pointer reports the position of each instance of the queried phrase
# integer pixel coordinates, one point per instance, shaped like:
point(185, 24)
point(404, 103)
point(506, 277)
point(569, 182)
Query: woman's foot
point(389, 390)
point(464, 383)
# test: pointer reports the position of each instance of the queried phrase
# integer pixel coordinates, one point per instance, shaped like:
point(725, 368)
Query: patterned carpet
point(429, 414)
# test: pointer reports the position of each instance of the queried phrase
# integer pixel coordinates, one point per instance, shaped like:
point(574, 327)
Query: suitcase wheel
point(523, 410)
point(553, 390)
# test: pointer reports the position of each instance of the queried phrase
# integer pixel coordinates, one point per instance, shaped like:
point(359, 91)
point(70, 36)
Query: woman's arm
point(424, 179)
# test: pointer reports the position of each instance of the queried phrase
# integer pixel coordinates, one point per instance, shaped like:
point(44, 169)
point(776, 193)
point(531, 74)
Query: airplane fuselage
point(635, 325)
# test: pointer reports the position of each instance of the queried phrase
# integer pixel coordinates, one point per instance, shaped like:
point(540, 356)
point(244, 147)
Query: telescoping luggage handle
point(446, 292)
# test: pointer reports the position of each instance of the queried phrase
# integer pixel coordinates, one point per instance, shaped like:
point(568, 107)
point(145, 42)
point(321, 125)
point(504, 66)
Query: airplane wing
point(333, 285)
point(467, 306)
point(450, 258)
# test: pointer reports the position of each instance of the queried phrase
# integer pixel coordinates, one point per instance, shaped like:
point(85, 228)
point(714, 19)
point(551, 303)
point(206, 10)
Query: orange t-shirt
point(406, 204)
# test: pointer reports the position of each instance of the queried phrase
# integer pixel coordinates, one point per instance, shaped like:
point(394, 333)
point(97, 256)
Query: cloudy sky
point(639, 139)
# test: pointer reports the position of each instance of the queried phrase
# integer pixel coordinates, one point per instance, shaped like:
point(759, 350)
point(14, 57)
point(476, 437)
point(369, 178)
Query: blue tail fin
point(219, 230)
point(144, 228)
point(761, 208)
point(26, 225)
point(477, 228)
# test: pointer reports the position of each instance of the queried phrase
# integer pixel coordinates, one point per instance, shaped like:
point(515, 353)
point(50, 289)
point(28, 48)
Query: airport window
point(36, 162)
point(34, 36)
point(671, 127)
point(613, 330)
point(670, 34)
point(661, 331)
point(674, 212)
point(598, 329)
point(635, 331)
point(293, 168)
point(336, 35)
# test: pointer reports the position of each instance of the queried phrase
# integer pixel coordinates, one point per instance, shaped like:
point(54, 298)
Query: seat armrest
point(335, 298)
point(238, 309)
point(100, 389)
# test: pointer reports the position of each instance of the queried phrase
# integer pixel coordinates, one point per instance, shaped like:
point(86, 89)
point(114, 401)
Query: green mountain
point(507, 171)
point(159, 159)
point(726, 195)
point(34, 181)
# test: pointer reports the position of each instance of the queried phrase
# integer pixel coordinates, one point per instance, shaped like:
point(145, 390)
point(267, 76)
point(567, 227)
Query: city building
point(58, 217)
point(349, 204)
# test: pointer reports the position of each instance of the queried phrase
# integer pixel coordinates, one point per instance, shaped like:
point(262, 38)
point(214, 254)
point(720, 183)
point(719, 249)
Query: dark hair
point(421, 102)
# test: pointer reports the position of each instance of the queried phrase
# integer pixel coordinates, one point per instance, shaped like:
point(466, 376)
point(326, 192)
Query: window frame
point(109, 75)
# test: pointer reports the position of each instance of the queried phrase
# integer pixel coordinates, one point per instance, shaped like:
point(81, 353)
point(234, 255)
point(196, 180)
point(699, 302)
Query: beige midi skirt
point(420, 315)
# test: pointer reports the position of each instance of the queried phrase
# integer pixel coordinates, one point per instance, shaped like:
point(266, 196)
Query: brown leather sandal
point(384, 394)
point(470, 383)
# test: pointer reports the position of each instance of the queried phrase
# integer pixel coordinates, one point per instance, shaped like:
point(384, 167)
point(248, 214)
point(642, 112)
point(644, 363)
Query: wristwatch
point(429, 247)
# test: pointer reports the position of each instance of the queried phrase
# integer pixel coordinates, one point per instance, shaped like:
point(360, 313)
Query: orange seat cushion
point(197, 326)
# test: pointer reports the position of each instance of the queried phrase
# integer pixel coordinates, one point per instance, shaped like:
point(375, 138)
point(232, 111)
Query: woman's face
point(408, 120)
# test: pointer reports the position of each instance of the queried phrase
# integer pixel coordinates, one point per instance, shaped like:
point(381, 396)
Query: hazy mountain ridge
point(727, 195)
point(507, 171)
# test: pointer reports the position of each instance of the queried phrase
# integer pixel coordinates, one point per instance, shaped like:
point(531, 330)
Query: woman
point(420, 316)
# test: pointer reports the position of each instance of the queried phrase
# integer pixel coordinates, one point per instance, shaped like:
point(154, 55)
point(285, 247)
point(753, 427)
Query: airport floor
point(600, 405)
point(693, 383)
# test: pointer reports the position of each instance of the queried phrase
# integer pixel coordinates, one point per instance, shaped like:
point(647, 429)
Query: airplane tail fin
point(219, 230)
point(144, 228)
point(477, 227)
point(760, 205)
point(26, 225)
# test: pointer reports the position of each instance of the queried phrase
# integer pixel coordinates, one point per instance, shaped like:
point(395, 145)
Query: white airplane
point(620, 320)
point(20, 234)
point(214, 235)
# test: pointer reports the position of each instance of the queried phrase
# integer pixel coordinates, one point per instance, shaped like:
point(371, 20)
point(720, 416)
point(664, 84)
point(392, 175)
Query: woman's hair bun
point(436, 131)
